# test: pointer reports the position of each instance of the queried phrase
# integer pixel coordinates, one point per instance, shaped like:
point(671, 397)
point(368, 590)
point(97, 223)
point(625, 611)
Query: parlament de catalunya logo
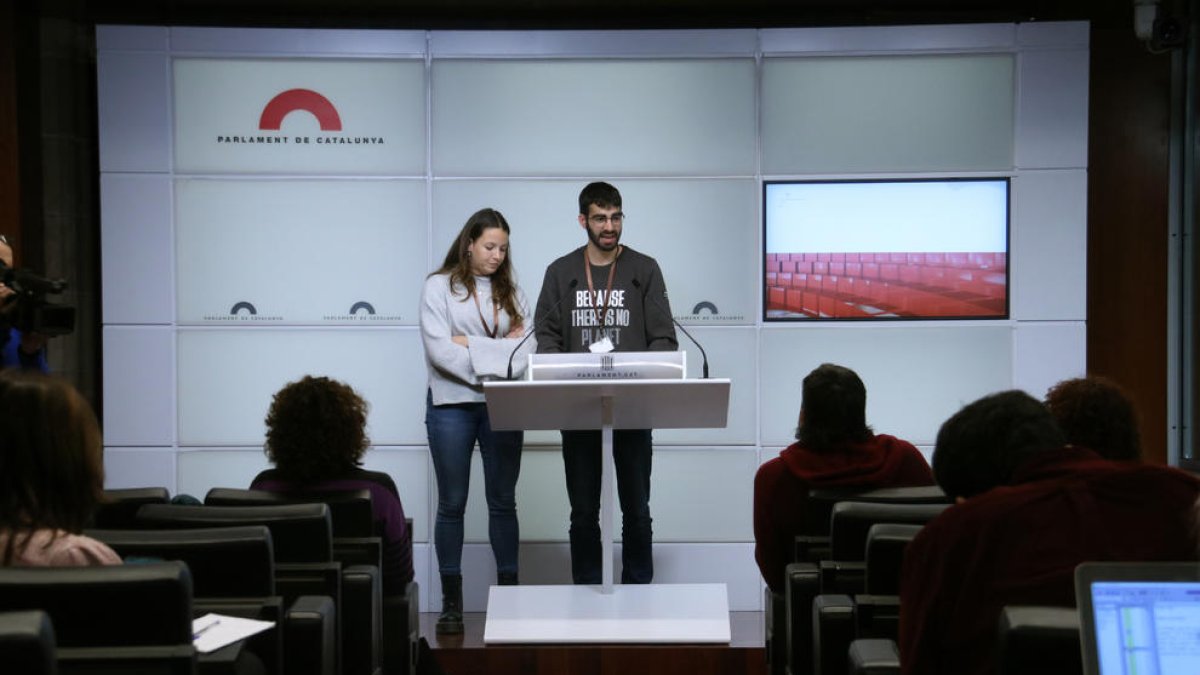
point(302, 101)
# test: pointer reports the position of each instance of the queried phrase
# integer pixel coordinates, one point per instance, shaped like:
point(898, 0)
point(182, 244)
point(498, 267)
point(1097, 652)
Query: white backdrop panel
point(729, 564)
point(139, 376)
point(1052, 117)
point(410, 468)
point(135, 242)
point(227, 379)
point(300, 251)
point(1049, 245)
point(311, 42)
point(895, 113)
point(139, 467)
point(894, 39)
point(1047, 352)
point(696, 229)
point(201, 469)
point(650, 117)
point(696, 494)
point(916, 377)
point(378, 105)
point(134, 122)
point(733, 354)
point(703, 494)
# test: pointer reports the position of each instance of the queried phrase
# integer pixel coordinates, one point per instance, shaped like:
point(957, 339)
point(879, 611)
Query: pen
point(202, 631)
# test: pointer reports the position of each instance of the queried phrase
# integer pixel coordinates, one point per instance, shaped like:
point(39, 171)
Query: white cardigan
point(457, 373)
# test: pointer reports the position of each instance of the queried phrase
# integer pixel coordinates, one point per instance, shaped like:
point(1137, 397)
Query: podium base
point(654, 613)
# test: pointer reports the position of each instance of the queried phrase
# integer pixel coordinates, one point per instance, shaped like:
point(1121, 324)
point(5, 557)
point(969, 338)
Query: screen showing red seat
point(885, 249)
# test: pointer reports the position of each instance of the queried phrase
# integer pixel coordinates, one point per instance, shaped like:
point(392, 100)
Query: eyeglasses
point(599, 219)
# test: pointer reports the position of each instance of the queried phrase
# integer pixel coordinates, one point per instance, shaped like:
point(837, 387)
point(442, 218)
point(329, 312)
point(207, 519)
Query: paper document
point(213, 631)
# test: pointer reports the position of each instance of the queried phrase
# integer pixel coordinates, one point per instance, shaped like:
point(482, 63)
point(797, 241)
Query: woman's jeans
point(453, 431)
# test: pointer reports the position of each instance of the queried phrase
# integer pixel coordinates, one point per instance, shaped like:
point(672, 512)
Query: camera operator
point(23, 350)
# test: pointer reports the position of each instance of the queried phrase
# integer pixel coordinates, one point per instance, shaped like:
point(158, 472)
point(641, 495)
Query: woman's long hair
point(51, 458)
point(458, 263)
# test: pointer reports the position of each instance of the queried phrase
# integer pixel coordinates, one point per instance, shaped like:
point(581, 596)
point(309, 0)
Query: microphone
point(570, 287)
point(638, 285)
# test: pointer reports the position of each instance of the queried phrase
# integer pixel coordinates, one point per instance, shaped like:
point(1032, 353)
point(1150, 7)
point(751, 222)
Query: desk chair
point(303, 546)
point(27, 643)
point(110, 619)
point(356, 541)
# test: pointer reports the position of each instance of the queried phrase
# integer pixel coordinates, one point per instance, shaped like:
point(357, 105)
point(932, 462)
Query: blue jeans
point(453, 431)
point(632, 449)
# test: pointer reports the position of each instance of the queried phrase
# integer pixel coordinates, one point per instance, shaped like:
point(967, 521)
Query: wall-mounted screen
point(885, 249)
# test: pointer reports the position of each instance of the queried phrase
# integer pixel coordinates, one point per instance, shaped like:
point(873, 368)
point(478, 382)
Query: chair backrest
point(1039, 641)
point(226, 562)
point(301, 533)
point(886, 543)
point(27, 643)
point(924, 494)
point(819, 506)
point(107, 606)
point(119, 507)
point(350, 510)
point(852, 520)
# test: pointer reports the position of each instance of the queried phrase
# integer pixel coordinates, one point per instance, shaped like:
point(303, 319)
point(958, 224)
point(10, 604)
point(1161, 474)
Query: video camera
point(28, 310)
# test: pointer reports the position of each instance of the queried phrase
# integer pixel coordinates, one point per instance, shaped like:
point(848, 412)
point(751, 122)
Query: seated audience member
point(316, 438)
point(1030, 509)
point(51, 474)
point(1096, 414)
point(834, 448)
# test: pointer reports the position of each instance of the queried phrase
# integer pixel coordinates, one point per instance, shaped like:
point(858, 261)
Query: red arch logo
point(300, 99)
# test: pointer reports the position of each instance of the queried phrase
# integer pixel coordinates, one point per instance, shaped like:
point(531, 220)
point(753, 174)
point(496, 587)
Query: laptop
point(1139, 618)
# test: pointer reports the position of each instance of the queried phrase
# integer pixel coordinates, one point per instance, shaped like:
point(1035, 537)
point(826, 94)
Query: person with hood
point(834, 448)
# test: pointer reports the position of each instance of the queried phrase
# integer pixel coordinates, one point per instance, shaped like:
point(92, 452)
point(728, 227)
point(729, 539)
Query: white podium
point(654, 613)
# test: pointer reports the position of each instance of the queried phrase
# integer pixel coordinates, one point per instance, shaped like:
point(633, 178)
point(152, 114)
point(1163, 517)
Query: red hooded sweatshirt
point(781, 489)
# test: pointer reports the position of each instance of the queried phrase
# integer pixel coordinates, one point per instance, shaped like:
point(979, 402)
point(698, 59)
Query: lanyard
point(495, 329)
point(602, 315)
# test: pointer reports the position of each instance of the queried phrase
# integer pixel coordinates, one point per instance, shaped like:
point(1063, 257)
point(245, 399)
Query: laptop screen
point(1140, 626)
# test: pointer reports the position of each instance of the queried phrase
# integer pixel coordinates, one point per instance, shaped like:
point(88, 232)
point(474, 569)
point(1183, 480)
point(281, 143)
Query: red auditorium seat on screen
point(910, 274)
point(854, 269)
point(870, 270)
point(800, 280)
point(935, 258)
point(837, 257)
point(777, 298)
point(837, 268)
point(795, 299)
point(898, 258)
point(812, 301)
point(771, 278)
point(889, 272)
point(934, 277)
point(916, 259)
point(823, 257)
point(957, 260)
point(820, 267)
point(784, 279)
point(803, 267)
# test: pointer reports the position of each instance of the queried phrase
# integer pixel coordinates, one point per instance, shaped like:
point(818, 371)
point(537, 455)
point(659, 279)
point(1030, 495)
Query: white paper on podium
point(213, 631)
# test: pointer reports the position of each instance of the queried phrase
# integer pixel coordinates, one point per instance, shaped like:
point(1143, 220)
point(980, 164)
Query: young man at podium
point(605, 297)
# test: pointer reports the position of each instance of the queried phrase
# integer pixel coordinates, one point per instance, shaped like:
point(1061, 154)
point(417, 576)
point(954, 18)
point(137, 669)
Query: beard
point(595, 239)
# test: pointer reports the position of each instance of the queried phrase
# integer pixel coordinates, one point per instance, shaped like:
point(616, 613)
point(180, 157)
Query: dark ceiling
point(582, 14)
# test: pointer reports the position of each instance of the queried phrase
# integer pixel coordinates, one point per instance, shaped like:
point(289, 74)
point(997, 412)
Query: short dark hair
point(316, 429)
point(1095, 413)
point(601, 194)
point(51, 458)
point(981, 446)
point(834, 406)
